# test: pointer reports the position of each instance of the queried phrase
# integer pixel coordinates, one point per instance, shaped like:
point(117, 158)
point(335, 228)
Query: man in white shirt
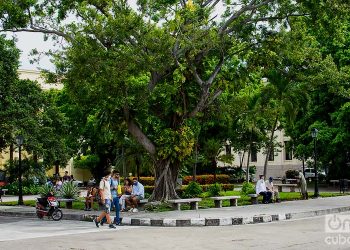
point(137, 194)
point(106, 197)
point(261, 189)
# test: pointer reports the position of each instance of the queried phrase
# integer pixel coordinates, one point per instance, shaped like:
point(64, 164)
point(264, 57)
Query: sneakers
point(96, 223)
point(135, 210)
point(111, 226)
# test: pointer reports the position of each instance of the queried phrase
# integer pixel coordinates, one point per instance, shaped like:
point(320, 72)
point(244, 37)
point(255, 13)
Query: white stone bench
point(141, 204)
point(291, 186)
point(218, 200)
point(254, 198)
point(2, 192)
point(192, 201)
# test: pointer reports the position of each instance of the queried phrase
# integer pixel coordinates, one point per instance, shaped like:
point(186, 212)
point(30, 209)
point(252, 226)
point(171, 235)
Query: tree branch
point(138, 134)
point(215, 95)
point(251, 6)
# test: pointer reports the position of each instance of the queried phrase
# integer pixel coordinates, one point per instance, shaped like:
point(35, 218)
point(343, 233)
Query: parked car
point(91, 182)
point(310, 173)
point(78, 183)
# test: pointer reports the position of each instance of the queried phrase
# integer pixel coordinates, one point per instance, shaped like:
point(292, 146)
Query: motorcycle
point(48, 207)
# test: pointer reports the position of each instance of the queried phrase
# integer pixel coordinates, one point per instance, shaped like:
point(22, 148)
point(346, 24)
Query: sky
point(29, 41)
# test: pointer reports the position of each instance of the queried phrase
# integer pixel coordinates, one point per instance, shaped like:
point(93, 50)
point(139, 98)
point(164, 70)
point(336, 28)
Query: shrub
point(192, 190)
point(214, 189)
point(291, 173)
point(248, 188)
point(147, 181)
point(207, 179)
point(149, 189)
point(69, 191)
point(45, 189)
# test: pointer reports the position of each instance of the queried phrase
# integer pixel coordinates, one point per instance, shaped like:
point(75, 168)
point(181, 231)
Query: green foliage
point(45, 189)
point(192, 190)
point(292, 174)
point(248, 188)
point(28, 187)
point(69, 191)
point(86, 161)
point(170, 69)
point(214, 189)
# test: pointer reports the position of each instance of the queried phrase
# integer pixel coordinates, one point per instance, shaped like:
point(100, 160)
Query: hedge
point(207, 179)
point(225, 187)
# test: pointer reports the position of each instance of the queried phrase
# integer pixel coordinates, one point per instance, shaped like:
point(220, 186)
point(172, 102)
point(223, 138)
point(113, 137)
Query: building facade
point(280, 160)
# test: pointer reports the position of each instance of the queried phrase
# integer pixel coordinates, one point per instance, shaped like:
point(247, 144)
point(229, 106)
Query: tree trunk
point(57, 168)
point(269, 146)
point(215, 166)
point(247, 173)
point(137, 162)
point(165, 183)
point(11, 152)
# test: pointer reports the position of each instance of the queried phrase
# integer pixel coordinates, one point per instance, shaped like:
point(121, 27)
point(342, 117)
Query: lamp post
point(19, 141)
point(314, 136)
point(240, 159)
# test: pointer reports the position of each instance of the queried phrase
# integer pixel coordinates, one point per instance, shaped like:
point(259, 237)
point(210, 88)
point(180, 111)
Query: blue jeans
point(115, 202)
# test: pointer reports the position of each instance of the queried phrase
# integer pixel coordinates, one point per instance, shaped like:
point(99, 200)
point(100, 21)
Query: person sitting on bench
point(138, 193)
point(261, 189)
point(274, 192)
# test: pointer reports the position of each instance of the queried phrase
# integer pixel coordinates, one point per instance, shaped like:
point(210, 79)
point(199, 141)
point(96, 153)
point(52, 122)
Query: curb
point(194, 222)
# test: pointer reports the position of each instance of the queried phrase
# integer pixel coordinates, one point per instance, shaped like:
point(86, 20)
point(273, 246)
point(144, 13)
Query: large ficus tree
point(154, 67)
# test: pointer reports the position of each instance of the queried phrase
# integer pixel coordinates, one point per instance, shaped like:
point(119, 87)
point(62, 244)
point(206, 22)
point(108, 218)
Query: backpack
point(98, 197)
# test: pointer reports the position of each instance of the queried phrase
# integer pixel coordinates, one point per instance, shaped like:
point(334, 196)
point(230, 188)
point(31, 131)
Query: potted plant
point(69, 191)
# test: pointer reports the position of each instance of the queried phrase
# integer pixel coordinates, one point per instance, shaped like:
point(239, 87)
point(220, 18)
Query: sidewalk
point(210, 217)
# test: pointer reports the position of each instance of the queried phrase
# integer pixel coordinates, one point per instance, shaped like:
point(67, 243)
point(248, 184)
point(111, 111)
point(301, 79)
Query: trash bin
point(343, 185)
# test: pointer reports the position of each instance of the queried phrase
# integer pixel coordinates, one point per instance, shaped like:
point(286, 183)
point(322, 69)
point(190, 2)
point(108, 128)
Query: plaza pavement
point(250, 214)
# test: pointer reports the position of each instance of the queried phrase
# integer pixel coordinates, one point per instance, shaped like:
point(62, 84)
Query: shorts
point(139, 197)
point(107, 206)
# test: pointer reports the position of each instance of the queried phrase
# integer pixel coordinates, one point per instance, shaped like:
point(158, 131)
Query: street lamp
point(240, 159)
point(19, 141)
point(314, 136)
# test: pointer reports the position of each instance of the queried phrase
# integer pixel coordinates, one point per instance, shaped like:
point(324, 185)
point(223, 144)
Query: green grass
point(205, 203)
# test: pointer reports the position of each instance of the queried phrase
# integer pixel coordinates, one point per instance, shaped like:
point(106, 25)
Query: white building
point(35, 75)
point(279, 162)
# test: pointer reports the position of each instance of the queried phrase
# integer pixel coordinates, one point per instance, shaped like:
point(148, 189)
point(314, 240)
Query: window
point(288, 149)
point(254, 155)
point(272, 154)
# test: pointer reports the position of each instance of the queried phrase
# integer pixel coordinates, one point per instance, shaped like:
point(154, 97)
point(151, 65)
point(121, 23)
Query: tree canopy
point(157, 68)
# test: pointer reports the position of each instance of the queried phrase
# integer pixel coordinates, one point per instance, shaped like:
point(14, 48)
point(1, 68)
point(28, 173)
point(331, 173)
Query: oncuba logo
point(336, 223)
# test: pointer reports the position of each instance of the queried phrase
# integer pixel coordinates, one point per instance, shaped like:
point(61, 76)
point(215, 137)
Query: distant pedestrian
point(271, 188)
point(303, 186)
point(66, 177)
point(106, 197)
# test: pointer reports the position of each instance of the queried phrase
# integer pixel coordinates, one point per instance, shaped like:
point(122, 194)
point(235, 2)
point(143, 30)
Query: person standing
point(138, 193)
point(261, 189)
point(66, 177)
point(303, 186)
point(106, 197)
point(115, 196)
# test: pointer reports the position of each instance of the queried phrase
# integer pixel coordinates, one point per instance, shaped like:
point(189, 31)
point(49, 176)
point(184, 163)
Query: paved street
point(19, 233)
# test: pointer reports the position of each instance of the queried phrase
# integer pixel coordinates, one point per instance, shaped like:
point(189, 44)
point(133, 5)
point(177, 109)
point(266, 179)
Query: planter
point(69, 204)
